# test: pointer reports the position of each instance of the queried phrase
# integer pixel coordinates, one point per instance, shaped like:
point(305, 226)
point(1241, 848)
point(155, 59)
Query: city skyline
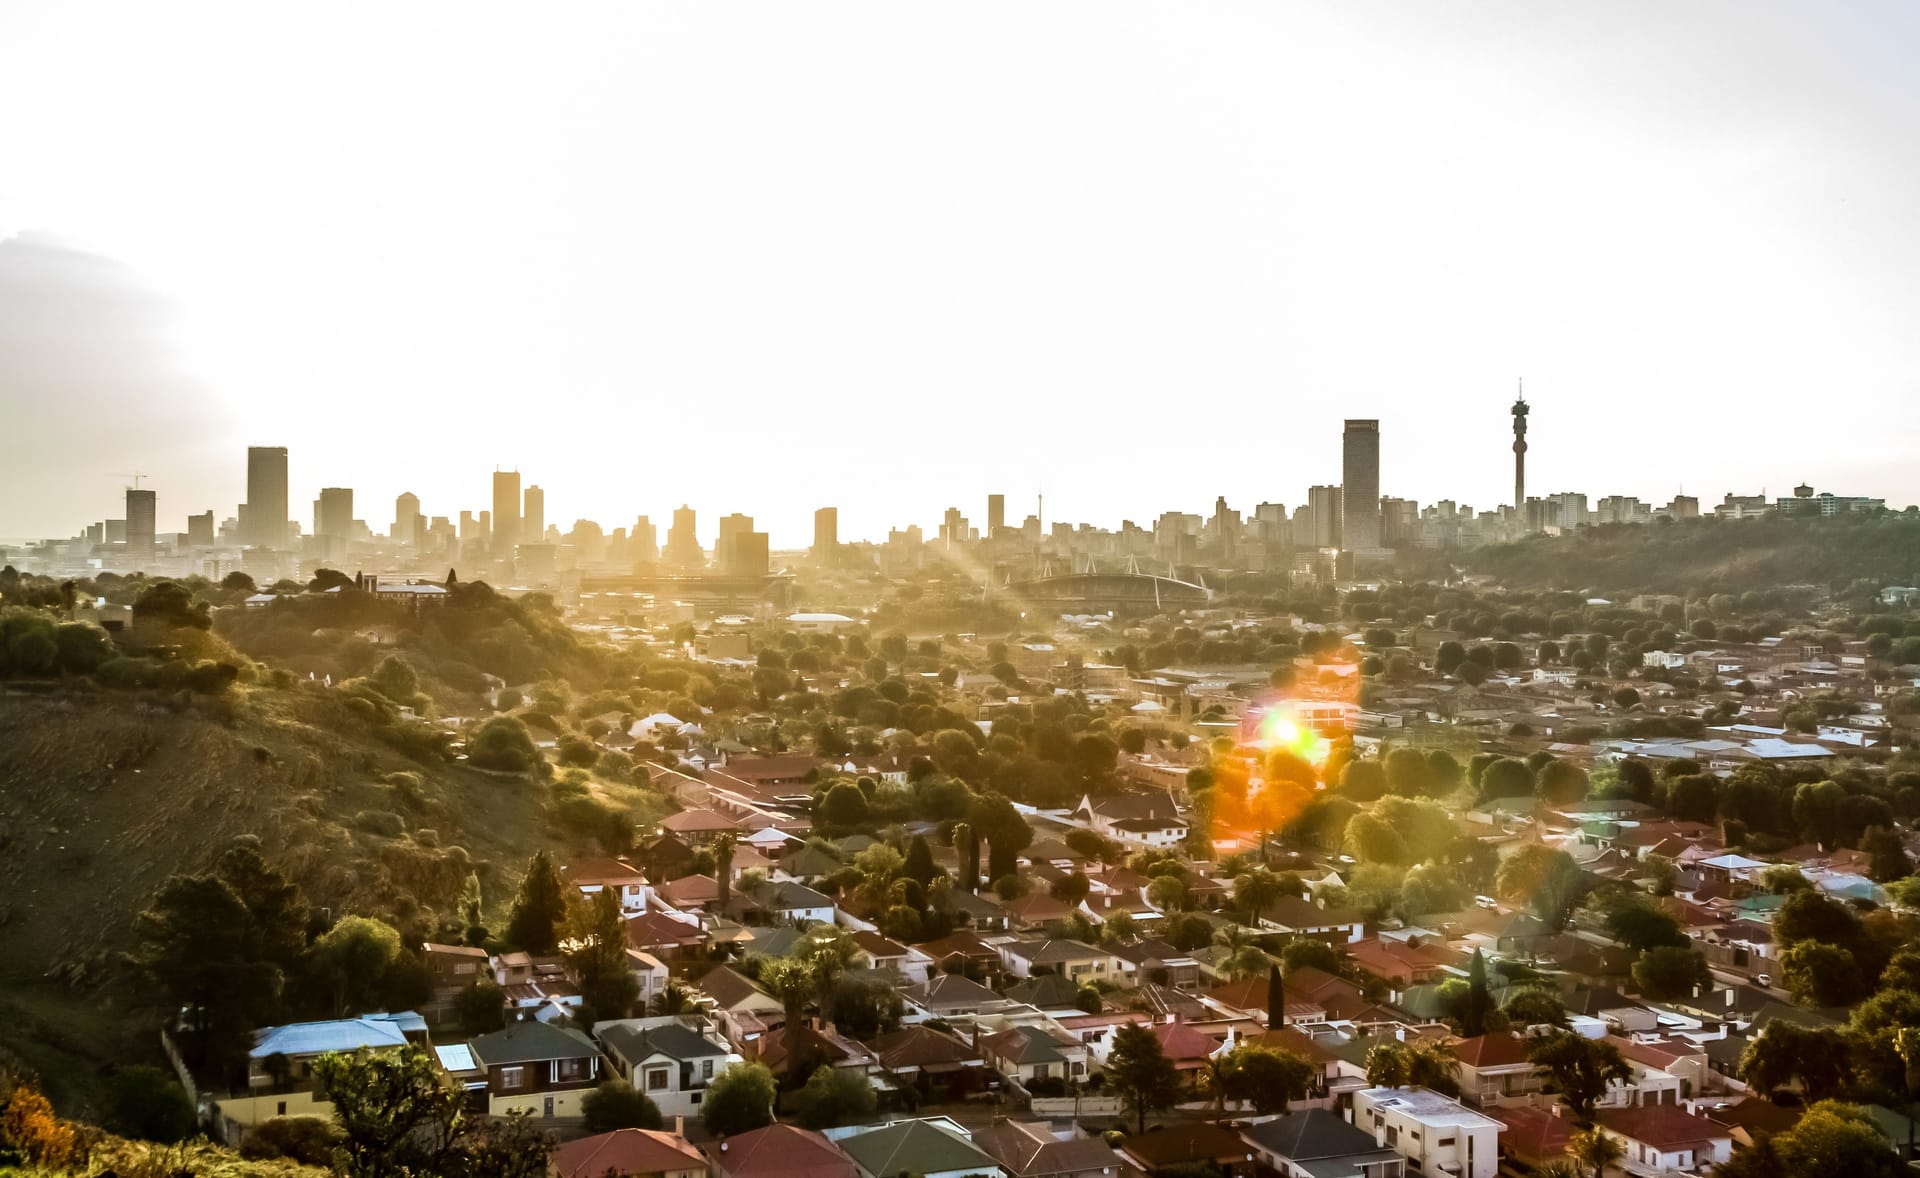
point(1200, 244)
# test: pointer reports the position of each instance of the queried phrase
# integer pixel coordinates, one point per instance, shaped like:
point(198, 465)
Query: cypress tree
point(1276, 999)
point(539, 909)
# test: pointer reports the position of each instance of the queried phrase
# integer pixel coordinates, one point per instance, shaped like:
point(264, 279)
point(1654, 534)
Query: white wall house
point(1434, 1132)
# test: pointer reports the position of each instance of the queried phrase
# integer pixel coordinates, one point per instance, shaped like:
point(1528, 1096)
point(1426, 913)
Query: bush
point(739, 1100)
point(617, 1105)
point(578, 751)
point(381, 822)
point(503, 743)
point(307, 1140)
point(149, 1104)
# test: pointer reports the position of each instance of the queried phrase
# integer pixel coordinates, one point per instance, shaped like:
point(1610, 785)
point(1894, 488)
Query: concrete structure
point(1436, 1133)
point(1520, 449)
point(826, 533)
point(683, 541)
point(996, 514)
point(333, 519)
point(1360, 485)
point(506, 511)
point(265, 515)
point(140, 528)
point(409, 526)
point(533, 515)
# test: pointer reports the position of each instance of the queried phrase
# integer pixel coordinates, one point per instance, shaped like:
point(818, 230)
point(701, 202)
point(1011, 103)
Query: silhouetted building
point(200, 530)
point(826, 534)
point(140, 513)
point(333, 513)
point(1519, 450)
point(683, 543)
point(409, 525)
point(643, 543)
point(740, 551)
point(533, 516)
point(996, 514)
point(506, 511)
point(1360, 485)
point(264, 514)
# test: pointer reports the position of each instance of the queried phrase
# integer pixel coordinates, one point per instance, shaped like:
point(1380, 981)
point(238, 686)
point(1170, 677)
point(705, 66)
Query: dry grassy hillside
point(102, 796)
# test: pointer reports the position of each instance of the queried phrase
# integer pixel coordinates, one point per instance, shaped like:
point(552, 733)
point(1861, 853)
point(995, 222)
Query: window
point(706, 1069)
point(1040, 1071)
point(283, 1108)
point(1393, 1135)
point(656, 1079)
point(511, 1078)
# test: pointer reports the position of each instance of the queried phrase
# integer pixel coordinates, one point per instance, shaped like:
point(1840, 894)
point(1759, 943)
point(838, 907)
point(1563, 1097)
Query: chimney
point(679, 1126)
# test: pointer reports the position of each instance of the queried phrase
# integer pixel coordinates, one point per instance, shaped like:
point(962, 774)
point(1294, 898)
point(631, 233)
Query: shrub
point(149, 1104)
point(616, 1105)
point(381, 822)
point(307, 1140)
point(503, 743)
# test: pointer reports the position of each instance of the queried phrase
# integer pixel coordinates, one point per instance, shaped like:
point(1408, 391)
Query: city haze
point(765, 259)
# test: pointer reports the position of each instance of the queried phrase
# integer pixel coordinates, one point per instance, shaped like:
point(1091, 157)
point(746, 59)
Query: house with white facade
point(1435, 1133)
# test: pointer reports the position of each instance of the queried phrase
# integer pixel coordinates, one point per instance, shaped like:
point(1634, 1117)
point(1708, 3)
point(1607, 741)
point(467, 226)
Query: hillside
point(1708, 555)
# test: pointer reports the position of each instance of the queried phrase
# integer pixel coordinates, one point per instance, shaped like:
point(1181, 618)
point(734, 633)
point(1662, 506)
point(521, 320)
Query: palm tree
point(1214, 1078)
point(672, 1000)
point(793, 981)
point(723, 866)
point(1595, 1149)
point(1255, 891)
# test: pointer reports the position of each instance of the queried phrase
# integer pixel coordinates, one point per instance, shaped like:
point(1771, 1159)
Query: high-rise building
point(1323, 518)
point(1360, 485)
point(740, 551)
point(683, 542)
point(954, 528)
point(996, 514)
point(140, 513)
point(643, 543)
point(333, 513)
point(826, 534)
point(533, 516)
point(200, 530)
point(408, 524)
point(506, 511)
point(265, 511)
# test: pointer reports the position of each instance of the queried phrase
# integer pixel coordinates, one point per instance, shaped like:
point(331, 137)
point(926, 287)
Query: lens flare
point(1281, 728)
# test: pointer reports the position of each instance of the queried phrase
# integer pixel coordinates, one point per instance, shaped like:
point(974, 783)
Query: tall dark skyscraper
point(140, 514)
point(996, 514)
point(266, 514)
point(506, 511)
point(1360, 485)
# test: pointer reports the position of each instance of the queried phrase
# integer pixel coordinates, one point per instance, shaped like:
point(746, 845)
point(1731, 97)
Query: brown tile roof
point(626, 1151)
point(1663, 1126)
point(780, 1151)
point(1496, 1050)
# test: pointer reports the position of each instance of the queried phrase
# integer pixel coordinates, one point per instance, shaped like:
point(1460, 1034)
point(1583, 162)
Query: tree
point(833, 1095)
point(1276, 998)
point(481, 1007)
point(920, 867)
point(502, 743)
point(1816, 810)
point(739, 1100)
point(844, 807)
point(1533, 1006)
point(596, 948)
point(1255, 891)
point(1070, 889)
point(1820, 1060)
point(1477, 1005)
point(1363, 781)
point(1388, 1066)
point(540, 908)
point(1595, 1150)
point(967, 847)
point(1831, 1140)
point(1506, 778)
point(165, 603)
point(195, 944)
point(1561, 783)
point(1578, 1068)
point(1889, 856)
point(1267, 1078)
point(1671, 971)
point(1819, 974)
point(1140, 1073)
point(1637, 924)
point(1168, 893)
point(401, 1117)
point(615, 1104)
point(357, 958)
point(792, 980)
point(1310, 952)
point(1409, 773)
point(1548, 879)
point(1422, 1063)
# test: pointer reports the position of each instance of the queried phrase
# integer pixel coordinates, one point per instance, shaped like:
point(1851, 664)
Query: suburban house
point(280, 1067)
point(779, 1151)
point(1663, 1138)
point(1291, 914)
point(648, 1152)
point(664, 1058)
point(1143, 819)
point(929, 1059)
point(651, 973)
point(1026, 1053)
point(1434, 1132)
point(1184, 1148)
point(536, 1068)
point(745, 1010)
point(873, 951)
point(1070, 959)
point(1493, 1070)
point(626, 881)
point(663, 936)
point(921, 1148)
point(453, 968)
point(782, 900)
point(949, 994)
point(1320, 1144)
point(1030, 1150)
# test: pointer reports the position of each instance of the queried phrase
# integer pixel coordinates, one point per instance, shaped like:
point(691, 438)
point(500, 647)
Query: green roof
point(915, 1147)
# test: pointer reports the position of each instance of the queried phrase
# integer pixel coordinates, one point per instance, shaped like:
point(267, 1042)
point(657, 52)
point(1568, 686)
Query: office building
point(826, 534)
point(408, 524)
point(683, 542)
point(506, 511)
point(140, 513)
point(200, 530)
point(1322, 528)
point(264, 514)
point(533, 516)
point(1360, 486)
point(333, 514)
point(643, 543)
point(996, 514)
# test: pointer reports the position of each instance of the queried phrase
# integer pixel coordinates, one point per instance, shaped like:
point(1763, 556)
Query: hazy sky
point(893, 256)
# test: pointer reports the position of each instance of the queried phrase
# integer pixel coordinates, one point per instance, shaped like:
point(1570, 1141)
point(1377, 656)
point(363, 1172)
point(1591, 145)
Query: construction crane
point(136, 477)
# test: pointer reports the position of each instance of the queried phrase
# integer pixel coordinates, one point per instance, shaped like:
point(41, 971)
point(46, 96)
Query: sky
point(894, 257)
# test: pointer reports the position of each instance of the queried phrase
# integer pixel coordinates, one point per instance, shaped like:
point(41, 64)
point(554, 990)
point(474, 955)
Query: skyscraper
point(140, 512)
point(1323, 517)
point(333, 514)
point(996, 514)
point(826, 533)
point(533, 516)
point(266, 506)
point(506, 511)
point(200, 530)
point(683, 542)
point(643, 543)
point(407, 522)
point(1360, 485)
